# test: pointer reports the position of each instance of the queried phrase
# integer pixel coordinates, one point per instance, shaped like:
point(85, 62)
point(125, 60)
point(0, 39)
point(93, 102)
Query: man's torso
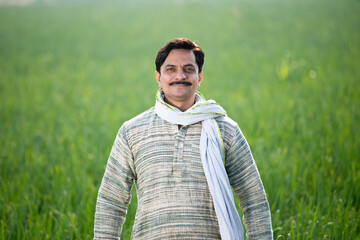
point(173, 196)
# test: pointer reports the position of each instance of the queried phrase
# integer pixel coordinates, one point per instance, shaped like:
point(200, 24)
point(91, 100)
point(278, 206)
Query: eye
point(189, 69)
point(170, 69)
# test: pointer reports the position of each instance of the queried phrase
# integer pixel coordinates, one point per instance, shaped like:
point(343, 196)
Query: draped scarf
point(212, 157)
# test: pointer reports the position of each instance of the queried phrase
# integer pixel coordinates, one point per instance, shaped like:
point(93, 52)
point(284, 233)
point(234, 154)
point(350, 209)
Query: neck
point(182, 106)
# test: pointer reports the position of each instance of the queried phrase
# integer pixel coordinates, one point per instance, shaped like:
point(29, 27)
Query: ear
point(157, 76)
point(200, 78)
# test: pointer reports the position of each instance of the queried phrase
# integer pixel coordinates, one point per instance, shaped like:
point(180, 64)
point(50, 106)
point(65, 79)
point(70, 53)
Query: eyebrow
point(186, 65)
point(169, 65)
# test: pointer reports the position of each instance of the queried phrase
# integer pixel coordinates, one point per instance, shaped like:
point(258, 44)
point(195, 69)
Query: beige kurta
point(174, 201)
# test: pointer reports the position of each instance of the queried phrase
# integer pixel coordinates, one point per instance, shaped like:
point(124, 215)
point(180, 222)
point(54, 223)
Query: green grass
point(286, 71)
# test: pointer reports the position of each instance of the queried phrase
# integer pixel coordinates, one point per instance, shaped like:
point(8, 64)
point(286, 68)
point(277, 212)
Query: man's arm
point(245, 179)
point(114, 193)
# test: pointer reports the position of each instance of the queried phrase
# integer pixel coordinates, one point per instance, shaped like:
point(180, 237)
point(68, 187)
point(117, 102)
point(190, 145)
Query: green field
point(288, 71)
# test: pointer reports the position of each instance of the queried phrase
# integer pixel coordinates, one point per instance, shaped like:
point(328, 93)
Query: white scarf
point(212, 157)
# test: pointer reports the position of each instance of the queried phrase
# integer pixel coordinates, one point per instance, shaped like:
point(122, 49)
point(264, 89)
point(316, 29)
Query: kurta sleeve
point(114, 193)
point(245, 180)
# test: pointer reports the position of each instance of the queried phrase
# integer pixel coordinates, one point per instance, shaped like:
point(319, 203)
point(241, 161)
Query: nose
point(180, 75)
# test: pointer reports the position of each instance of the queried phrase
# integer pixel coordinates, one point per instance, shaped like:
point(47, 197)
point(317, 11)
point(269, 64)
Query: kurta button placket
point(178, 153)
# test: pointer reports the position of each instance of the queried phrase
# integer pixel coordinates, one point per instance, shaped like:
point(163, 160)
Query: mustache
point(181, 82)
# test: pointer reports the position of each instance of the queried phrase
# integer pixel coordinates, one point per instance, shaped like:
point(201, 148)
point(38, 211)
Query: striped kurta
point(174, 201)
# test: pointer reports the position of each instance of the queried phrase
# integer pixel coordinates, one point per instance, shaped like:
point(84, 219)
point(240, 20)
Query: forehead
point(180, 57)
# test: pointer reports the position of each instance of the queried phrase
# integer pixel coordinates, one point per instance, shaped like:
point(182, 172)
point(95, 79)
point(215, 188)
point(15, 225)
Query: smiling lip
point(180, 82)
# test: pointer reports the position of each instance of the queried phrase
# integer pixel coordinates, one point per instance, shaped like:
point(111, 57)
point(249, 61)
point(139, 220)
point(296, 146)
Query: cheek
point(196, 78)
point(162, 81)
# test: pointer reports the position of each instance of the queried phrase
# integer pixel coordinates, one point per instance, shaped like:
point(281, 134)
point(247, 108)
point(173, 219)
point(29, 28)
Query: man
point(183, 155)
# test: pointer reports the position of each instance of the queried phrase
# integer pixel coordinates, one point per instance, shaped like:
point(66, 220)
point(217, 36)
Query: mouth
point(181, 83)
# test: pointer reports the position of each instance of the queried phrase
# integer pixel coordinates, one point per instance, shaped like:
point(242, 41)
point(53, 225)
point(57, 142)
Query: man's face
point(179, 77)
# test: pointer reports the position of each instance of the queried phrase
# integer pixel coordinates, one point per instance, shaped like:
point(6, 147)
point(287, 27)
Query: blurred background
point(71, 72)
